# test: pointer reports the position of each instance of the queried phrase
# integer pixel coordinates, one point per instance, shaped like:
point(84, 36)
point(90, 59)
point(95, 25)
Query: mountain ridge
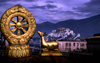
point(86, 27)
point(73, 19)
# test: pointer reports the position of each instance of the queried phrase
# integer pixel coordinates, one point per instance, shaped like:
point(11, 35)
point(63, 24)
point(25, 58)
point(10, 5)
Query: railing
point(35, 48)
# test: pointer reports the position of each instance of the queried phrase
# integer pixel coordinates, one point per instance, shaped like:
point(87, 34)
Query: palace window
point(81, 44)
point(66, 49)
point(77, 44)
point(69, 49)
point(69, 44)
point(66, 44)
point(73, 44)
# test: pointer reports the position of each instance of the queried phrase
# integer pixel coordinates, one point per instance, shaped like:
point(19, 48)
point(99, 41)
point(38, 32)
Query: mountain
point(62, 34)
point(86, 27)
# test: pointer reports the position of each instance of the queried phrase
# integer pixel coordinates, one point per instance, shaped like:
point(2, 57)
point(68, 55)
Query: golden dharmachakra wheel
point(18, 25)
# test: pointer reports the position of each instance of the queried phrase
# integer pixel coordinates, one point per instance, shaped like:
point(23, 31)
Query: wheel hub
point(19, 25)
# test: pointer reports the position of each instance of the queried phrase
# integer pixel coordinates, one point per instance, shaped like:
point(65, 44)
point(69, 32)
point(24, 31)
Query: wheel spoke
point(23, 30)
point(25, 25)
point(13, 20)
point(12, 24)
point(23, 20)
point(18, 32)
point(13, 30)
point(18, 18)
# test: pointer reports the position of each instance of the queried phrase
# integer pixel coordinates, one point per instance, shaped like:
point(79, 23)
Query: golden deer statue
point(49, 47)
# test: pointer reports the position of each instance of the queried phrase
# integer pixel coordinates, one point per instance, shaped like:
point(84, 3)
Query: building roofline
point(71, 41)
point(93, 37)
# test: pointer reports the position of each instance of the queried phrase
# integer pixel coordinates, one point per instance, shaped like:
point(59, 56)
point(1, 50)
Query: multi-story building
point(71, 45)
point(93, 44)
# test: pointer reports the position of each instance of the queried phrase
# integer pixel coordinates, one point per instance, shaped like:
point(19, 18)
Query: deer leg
point(56, 49)
point(45, 49)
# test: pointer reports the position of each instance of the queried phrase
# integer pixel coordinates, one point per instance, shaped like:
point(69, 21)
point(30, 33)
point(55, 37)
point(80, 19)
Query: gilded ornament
point(49, 48)
point(21, 40)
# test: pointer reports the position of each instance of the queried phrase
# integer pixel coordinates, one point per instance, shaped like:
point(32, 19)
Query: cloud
point(57, 16)
point(90, 8)
point(49, 2)
point(37, 7)
point(47, 6)
point(51, 6)
point(54, 10)
point(8, 0)
point(31, 0)
point(1, 4)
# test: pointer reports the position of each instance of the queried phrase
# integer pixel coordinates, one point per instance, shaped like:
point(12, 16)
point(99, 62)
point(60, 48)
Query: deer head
point(41, 33)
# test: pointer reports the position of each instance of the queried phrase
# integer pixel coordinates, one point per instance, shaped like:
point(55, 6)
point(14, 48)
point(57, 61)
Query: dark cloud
point(8, 0)
point(65, 15)
point(93, 2)
point(92, 8)
point(74, 14)
point(49, 2)
point(2, 3)
point(48, 6)
point(71, 12)
point(5, 5)
point(30, 0)
point(65, 12)
point(18, 0)
point(53, 11)
point(40, 7)
point(51, 6)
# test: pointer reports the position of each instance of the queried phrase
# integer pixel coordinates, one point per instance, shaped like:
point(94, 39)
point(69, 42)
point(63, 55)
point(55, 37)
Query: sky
point(55, 10)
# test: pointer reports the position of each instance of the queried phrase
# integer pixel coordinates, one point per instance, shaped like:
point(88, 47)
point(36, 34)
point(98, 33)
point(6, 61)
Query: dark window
point(69, 49)
point(66, 44)
point(66, 49)
point(73, 44)
point(77, 44)
point(82, 44)
point(69, 44)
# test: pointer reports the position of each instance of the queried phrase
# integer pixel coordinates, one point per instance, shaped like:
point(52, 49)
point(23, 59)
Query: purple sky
point(55, 10)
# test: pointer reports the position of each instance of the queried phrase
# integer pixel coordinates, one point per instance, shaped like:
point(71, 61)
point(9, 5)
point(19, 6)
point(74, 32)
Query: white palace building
point(72, 45)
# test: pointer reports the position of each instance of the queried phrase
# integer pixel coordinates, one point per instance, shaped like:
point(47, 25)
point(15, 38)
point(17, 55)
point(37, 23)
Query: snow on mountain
point(62, 34)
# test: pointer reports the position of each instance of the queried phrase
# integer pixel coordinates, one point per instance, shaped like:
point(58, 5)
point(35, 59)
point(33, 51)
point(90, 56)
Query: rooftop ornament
point(18, 42)
point(49, 48)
